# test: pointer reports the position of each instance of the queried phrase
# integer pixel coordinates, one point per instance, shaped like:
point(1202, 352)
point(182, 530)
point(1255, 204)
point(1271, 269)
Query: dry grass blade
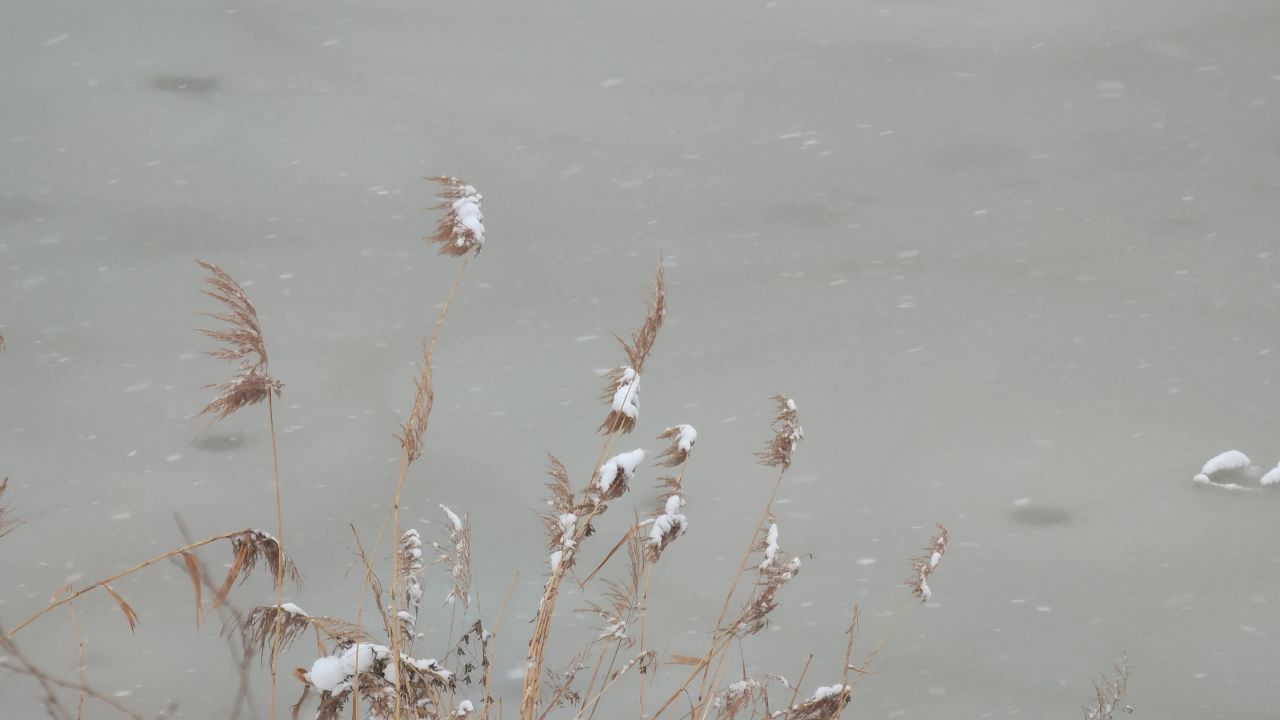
point(923, 566)
point(787, 434)
point(193, 571)
point(125, 608)
point(6, 524)
point(242, 343)
point(461, 230)
point(1109, 692)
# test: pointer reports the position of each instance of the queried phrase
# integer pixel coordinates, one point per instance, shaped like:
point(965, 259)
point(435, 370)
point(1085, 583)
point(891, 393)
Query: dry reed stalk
point(232, 618)
point(787, 434)
point(75, 623)
point(250, 547)
point(47, 682)
point(591, 501)
point(1108, 692)
point(413, 430)
point(1, 343)
point(252, 383)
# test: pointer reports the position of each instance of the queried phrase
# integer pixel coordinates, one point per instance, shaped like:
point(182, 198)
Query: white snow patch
point(1229, 460)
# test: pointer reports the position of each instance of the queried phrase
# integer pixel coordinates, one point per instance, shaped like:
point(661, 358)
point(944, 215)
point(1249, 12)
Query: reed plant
point(380, 669)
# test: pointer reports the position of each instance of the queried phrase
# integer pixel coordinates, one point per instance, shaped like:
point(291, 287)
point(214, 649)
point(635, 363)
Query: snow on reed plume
point(623, 390)
point(771, 574)
point(456, 555)
point(787, 434)
point(461, 229)
point(923, 566)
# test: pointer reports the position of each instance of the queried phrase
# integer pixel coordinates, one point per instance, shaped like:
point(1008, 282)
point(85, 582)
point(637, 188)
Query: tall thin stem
point(279, 579)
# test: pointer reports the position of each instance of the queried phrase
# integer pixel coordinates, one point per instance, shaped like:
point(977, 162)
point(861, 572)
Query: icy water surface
point(1017, 262)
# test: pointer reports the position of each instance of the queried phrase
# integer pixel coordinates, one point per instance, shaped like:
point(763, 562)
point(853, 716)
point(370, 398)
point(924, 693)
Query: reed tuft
point(461, 229)
point(242, 344)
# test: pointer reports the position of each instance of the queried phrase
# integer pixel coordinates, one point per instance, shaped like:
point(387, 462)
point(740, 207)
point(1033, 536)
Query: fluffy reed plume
point(252, 547)
point(412, 430)
point(457, 557)
point(461, 230)
point(826, 703)
point(682, 438)
point(1, 343)
point(787, 434)
point(257, 627)
point(410, 561)
point(922, 567)
point(771, 574)
point(243, 344)
point(613, 478)
point(739, 696)
point(665, 526)
point(7, 524)
point(623, 391)
point(1108, 692)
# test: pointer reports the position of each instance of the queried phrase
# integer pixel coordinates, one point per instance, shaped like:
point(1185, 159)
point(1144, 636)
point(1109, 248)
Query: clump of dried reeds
point(1109, 692)
point(923, 566)
point(461, 229)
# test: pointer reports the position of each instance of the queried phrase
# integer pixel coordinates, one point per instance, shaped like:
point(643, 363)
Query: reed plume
point(682, 438)
point(242, 343)
point(923, 566)
point(787, 434)
point(622, 392)
point(771, 574)
point(456, 555)
point(461, 229)
point(1108, 693)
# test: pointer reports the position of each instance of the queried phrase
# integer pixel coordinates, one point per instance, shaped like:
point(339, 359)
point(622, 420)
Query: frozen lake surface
point(1017, 262)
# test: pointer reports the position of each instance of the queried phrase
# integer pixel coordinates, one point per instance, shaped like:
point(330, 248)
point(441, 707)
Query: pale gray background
point(995, 249)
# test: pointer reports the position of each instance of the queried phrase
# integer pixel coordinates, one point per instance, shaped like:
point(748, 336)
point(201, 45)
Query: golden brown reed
point(455, 554)
point(622, 390)
point(461, 229)
point(242, 344)
point(924, 565)
point(787, 434)
point(676, 453)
